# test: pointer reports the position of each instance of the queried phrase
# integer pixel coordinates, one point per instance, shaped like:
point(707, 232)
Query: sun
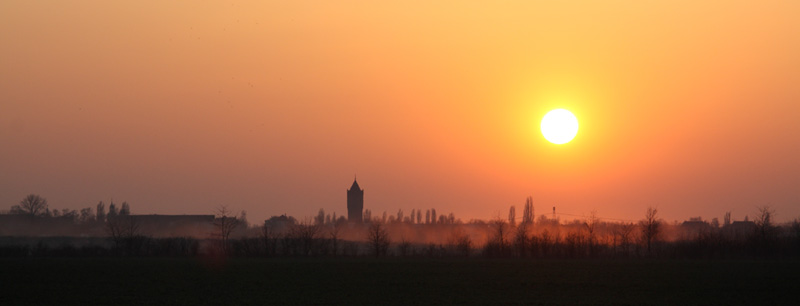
point(559, 126)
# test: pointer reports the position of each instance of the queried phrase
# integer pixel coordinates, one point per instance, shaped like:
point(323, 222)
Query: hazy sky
point(272, 107)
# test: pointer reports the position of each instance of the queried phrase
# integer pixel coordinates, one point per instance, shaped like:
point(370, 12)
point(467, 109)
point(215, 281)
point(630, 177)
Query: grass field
point(148, 281)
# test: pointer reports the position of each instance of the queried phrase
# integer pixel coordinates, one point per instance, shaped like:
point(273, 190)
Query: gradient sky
point(272, 106)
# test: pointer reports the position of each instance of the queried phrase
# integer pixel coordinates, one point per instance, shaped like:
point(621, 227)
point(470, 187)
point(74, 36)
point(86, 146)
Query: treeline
point(35, 206)
point(400, 235)
point(33, 217)
point(651, 237)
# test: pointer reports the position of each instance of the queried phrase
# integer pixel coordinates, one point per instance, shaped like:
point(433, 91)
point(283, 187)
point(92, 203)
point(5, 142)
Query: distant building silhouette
point(695, 227)
point(280, 224)
point(199, 226)
point(355, 203)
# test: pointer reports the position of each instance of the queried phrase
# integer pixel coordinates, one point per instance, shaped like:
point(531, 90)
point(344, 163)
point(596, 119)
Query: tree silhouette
point(463, 244)
point(112, 210)
point(527, 212)
point(124, 231)
point(306, 233)
point(268, 237)
point(763, 220)
point(101, 212)
point(499, 228)
point(224, 224)
point(651, 228)
point(591, 227)
point(334, 233)
point(320, 218)
point(125, 210)
point(521, 240)
point(765, 229)
point(622, 236)
point(512, 216)
point(32, 205)
point(243, 219)
point(86, 215)
point(378, 238)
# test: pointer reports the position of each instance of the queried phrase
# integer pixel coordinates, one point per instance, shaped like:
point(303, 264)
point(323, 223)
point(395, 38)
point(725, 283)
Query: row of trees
point(544, 238)
point(415, 217)
point(35, 206)
point(327, 235)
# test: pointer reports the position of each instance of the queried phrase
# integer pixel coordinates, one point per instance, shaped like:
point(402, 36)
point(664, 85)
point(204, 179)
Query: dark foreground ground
point(148, 281)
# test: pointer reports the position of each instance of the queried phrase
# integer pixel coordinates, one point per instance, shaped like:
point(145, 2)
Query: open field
point(147, 281)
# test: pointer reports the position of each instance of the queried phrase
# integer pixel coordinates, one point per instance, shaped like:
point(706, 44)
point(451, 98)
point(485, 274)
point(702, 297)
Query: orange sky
point(271, 107)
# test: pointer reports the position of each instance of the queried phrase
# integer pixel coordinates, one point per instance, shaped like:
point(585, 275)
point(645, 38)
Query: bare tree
point(499, 237)
point(591, 227)
point(334, 233)
point(521, 240)
point(307, 232)
point(622, 236)
point(651, 228)
point(124, 232)
point(512, 216)
point(224, 224)
point(464, 245)
point(268, 237)
point(460, 242)
point(543, 242)
point(32, 205)
point(378, 238)
point(765, 229)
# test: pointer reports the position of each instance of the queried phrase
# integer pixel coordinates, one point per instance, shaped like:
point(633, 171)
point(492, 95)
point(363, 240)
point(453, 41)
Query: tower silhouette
point(355, 203)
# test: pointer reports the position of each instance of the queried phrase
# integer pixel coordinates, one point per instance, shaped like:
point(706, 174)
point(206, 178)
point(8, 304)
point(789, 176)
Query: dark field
point(147, 281)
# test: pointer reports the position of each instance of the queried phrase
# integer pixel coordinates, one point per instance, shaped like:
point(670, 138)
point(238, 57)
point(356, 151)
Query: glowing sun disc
point(559, 126)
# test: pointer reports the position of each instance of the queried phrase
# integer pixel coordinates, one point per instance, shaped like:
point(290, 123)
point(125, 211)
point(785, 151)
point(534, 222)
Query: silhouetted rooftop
point(355, 186)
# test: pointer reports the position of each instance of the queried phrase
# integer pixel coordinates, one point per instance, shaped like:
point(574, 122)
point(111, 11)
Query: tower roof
point(355, 186)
